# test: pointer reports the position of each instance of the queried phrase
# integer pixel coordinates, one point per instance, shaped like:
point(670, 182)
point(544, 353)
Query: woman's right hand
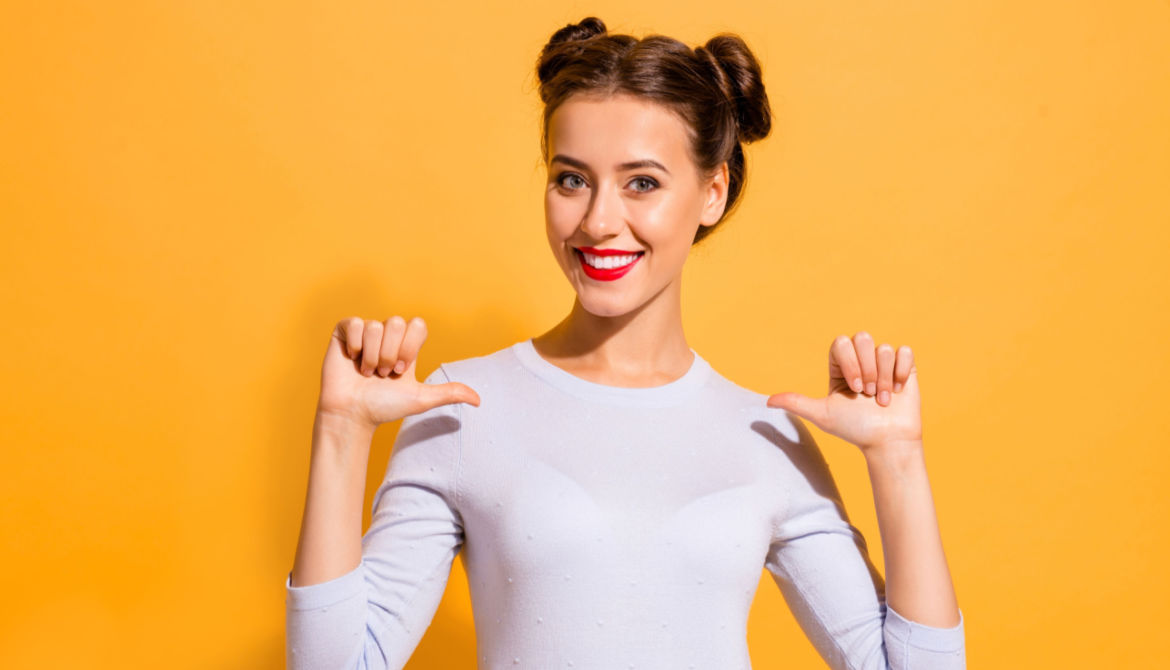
point(368, 376)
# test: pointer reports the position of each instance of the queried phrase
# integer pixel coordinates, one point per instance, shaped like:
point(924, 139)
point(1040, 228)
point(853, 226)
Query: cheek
point(559, 228)
point(560, 218)
point(558, 234)
point(668, 225)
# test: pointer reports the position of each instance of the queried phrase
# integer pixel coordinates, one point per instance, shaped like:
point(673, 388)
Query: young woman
point(615, 497)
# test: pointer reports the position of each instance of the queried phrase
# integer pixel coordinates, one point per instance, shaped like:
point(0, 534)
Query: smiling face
point(620, 178)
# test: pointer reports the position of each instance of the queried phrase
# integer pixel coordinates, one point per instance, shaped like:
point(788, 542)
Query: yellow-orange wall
point(191, 194)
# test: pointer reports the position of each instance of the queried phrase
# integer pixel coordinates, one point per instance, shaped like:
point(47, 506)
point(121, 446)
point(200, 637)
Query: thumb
point(433, 395)
point(803, 406)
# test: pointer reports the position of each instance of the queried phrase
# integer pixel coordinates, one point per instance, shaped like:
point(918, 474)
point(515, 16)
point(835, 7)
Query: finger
point(812, 409)
point(352, 329)
point(843, 364)
point(338, 336)
point(416, 333)
point(371, 346)
point(885, 373)
point(902, 367)
point(433, 395)
point(392, 332)
point(863, 343)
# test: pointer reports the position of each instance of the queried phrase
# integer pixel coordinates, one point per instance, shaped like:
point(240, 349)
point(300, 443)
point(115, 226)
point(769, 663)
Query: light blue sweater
point(606, 528)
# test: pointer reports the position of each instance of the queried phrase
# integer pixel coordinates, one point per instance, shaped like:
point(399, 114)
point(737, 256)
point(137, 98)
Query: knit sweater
point(606, 527)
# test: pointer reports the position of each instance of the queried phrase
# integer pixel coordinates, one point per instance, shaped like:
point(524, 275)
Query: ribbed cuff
point(921, 636)
point(325, 594)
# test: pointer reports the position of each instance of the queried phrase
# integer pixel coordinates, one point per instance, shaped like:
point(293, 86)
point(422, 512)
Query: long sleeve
point(374, 616)
point(821, 564)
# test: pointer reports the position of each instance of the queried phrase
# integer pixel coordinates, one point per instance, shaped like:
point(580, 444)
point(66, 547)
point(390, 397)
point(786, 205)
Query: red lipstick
point(606, 274)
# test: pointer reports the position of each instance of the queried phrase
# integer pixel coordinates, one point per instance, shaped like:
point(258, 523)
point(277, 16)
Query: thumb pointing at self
point(433, 395)
point(811, 409)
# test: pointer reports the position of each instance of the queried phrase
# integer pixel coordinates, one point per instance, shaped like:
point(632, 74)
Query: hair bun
point(565, 44)
point(582, 30)
point(738, 75)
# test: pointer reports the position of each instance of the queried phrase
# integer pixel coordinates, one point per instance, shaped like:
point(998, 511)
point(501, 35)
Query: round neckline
point(671, 393)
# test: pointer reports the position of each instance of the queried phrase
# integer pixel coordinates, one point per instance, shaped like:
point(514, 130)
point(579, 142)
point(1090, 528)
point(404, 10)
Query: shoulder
point(727, 391)
point(496, 375)
point(722, 392)
point(784, 436)
point(474, 368)
point(788, 454)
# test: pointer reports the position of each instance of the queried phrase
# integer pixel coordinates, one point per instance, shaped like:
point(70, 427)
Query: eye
point(561, 178)
point(651, 184)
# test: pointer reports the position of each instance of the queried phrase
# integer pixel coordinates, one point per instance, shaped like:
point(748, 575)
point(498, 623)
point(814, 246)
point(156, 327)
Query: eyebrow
point(644, 163)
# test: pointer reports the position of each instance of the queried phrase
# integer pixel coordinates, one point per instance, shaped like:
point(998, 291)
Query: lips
point(606, 274)
point(607, 252)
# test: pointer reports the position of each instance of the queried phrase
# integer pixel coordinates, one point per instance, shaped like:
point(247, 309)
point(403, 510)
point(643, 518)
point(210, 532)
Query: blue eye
point(566, 175)
point(651, 184)
point(648, 183)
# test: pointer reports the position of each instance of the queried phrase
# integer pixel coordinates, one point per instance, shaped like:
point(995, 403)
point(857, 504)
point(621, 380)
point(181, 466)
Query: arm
point(820, 562)
point(331, 527)
point(918, 581)
point(374, 614)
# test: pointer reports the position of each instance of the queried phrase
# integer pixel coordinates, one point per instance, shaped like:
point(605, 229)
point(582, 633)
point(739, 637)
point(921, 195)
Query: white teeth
point(608, 262)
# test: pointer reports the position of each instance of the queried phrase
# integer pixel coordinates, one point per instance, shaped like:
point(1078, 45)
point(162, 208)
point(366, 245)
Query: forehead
point(606, 131)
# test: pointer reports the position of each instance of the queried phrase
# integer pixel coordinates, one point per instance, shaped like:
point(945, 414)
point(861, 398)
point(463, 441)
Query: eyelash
point(560, 181)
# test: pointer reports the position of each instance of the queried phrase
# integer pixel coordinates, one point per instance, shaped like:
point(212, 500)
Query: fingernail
point(884, 397)
point(382, 370)
point(870, 388)
point(897, 387)
point(857, 385)
point(399, 367)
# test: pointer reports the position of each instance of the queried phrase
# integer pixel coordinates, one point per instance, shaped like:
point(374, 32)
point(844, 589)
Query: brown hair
point(716, 89)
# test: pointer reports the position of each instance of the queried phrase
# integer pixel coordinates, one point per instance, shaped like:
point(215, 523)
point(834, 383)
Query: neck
point(644, 347)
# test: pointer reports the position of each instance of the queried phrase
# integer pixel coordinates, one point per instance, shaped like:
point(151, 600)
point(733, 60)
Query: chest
point(598, 492)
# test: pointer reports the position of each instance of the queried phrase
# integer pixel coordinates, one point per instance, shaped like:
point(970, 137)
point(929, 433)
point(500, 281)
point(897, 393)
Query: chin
point(604, 308)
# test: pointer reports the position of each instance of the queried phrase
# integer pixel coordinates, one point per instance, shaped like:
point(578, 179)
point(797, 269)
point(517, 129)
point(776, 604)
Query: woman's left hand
point(873, 397)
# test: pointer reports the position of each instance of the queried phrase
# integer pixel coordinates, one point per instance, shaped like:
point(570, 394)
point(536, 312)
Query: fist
point(368, 376)
point(873, 399)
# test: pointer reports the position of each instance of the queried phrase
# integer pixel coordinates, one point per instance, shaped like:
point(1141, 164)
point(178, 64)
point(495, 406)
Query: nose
point(605, 214)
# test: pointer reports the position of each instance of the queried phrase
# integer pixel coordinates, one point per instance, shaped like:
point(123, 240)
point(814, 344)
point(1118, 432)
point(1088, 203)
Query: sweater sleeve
point(374, 616)
point(820, 562)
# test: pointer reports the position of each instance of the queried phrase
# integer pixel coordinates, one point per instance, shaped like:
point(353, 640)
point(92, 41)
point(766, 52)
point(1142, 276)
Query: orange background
point(192, 194)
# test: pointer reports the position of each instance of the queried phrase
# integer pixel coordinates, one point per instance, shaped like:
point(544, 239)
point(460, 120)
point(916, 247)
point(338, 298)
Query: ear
point(714, 197)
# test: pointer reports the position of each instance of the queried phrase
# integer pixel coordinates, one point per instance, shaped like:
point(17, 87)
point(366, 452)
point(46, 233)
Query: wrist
point(899, 453)
point(343, 427)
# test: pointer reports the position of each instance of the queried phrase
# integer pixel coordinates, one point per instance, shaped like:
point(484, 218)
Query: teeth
point(608, 262)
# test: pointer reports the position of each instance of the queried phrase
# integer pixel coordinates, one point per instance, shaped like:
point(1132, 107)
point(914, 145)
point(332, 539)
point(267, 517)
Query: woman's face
point(620, 179)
